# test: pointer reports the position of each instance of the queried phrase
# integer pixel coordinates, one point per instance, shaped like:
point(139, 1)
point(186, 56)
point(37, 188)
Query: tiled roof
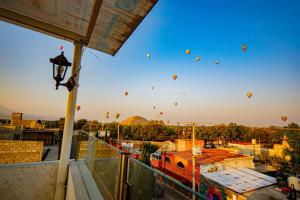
point(208, 156)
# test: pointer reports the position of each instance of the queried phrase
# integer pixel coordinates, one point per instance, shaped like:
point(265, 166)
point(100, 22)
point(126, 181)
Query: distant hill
point(5, 113)
point(134, 120)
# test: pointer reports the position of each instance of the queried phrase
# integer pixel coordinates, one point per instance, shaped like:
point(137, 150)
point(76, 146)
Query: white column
point(68, 129)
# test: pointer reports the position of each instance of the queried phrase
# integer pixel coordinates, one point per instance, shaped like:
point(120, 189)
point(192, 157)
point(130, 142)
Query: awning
point(102, 25)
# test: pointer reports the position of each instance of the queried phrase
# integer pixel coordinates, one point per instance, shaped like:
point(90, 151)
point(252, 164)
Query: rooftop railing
point(119, 176)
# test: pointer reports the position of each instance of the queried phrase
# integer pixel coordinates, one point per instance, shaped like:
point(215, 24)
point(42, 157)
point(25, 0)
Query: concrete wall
point(12, 151)
point(28, 181)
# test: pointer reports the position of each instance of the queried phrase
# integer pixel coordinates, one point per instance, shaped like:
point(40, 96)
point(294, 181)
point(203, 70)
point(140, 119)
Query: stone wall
point(12, 151)
point(28, 181)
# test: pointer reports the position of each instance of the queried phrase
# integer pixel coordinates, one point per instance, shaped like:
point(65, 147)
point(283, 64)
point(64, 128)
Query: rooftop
point(208, 156)
point(240, 180)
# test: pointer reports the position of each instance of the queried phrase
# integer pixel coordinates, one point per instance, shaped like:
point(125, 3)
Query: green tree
point(147, 148)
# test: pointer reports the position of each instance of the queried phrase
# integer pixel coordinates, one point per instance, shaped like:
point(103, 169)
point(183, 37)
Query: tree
point(79, 124)
point(61, 123)
point(147, 148)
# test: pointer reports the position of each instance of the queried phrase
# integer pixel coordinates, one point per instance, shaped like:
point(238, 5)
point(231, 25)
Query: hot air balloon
point(161, 113)
point(174, 76)
point(153, 87)
point(107, 115)
point(249, 94)
point(217, 62)
point(244, 47)
point(175, 103)
point(182, 93)
point(197, 58)
point(77, 108)
point(126, 93)
point(154, 107)
point(117, 115)
point(61, 47)
point(148, 55)
point(187, 51)
point(284, 118)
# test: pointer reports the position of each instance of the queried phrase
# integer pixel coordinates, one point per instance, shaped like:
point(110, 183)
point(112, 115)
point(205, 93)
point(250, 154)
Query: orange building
point(178, 164)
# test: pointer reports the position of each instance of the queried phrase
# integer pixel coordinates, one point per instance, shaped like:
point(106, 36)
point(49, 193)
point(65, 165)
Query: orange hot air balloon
point(187, 51)
point(174, 77)
point(126, 93)
point(249, 94)
point(244, 47)
point(117, 115)
point(284, 118)
point(161, 113)
point(78, 108)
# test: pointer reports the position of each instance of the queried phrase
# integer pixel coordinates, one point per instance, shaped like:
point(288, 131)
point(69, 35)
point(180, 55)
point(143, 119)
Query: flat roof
point(103, 25)
point(241, 179)
point(208, 155)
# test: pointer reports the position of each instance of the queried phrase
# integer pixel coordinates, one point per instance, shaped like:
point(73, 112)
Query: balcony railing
point(119, 176)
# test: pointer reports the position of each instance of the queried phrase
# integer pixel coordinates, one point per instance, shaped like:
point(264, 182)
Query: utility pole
point(193, 161)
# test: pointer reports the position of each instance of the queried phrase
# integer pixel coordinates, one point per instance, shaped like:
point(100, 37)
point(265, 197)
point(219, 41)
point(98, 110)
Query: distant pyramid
point(134, 120)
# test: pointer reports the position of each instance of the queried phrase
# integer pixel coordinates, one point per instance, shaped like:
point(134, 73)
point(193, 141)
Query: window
point(167, 159)
point(180, 164)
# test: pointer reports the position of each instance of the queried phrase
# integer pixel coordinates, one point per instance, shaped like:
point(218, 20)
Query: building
point(186, 145)
point(219, 174)
point(17, 121)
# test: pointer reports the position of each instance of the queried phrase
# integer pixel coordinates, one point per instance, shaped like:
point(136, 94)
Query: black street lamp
point(60, 67)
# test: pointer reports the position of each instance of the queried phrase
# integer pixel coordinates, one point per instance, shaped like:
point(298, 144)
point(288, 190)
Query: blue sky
point(213, 30)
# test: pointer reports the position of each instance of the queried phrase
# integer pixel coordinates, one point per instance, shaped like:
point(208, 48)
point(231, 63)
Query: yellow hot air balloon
point(197, 58)
point(244, 47)
point(284, 118)
point(249, 94)
point(78, 108)
point(174, 76)
point(117, 115)
point(148, 55)
point(187, 51)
